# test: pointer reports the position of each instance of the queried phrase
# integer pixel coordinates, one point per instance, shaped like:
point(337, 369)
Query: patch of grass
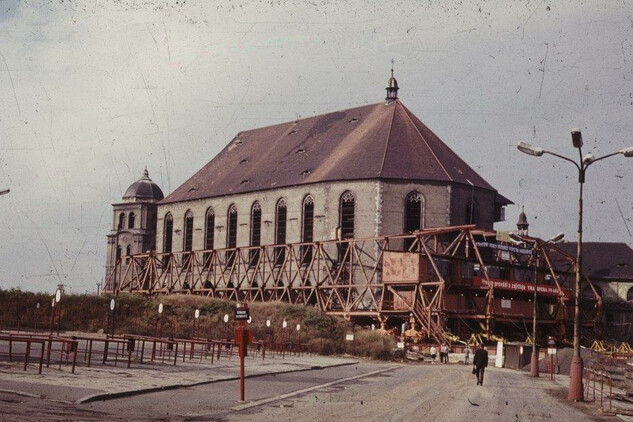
point(136, 314)
point(371, 344)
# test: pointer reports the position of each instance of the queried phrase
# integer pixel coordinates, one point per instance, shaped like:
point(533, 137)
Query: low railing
point(21, 346)
point(44, 350)
point(596, 383)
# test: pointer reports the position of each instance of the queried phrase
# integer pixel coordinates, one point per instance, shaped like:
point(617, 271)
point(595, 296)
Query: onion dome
point(144, 190)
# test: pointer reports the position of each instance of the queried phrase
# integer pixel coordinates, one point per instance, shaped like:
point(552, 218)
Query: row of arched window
point(307, 233)
point(130, 219)
point(128, 252)
point(414, 204)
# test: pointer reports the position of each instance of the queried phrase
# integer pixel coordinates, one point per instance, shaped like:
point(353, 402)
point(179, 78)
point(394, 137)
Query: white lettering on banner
point(518, 286)
point(502, 247)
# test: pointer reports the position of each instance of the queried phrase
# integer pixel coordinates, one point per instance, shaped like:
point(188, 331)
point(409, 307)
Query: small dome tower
point(133, 229)
point(522, 224)
point(392, 87)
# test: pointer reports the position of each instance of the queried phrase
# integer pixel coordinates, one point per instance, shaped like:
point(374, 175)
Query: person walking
point(433, 353)
point(480, 362)
point(467, 356)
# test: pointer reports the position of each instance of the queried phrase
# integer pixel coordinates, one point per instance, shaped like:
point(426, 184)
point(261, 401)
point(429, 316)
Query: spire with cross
point(392, 86)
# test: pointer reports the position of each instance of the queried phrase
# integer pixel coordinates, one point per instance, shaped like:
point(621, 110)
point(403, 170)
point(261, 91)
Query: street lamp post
point(575, 372)
point(196, 315)
point(284, 325)
point(109, 317)
point(538, 246)
point(160, 324)
point(52, 316)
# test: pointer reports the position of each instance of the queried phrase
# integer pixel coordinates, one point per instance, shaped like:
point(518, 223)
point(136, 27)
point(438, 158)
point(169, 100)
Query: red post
point(76, 347)
point(105, 351)
point(48, 353)
point(242, 337)
point(42, 357)
point(89, 352)
point(27, 353)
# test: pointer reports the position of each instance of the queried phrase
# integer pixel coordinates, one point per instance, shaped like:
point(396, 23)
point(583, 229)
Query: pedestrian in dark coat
point(480, 362)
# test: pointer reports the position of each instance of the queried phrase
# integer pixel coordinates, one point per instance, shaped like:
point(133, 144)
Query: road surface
point(361, 392)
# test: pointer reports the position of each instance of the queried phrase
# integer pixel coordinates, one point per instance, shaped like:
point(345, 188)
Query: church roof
point(379, 141)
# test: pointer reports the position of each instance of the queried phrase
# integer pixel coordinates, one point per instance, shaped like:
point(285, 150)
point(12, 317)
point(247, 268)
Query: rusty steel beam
point(312, 274)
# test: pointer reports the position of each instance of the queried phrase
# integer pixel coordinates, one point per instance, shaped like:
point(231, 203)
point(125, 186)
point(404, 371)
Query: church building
point(363, 172)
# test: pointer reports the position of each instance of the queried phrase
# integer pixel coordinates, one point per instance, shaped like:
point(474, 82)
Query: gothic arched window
point(307, 229)
point(130, 221)
point(209, 232)
point(281, 215)
point(187, 239)
point(231, 234)
point(346, 221)
point(169, 233)
point(256, 232)
point(121, 225)
point(413, 205)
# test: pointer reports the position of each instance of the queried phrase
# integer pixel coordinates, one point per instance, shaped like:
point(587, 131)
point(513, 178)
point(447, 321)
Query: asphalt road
point(349, 393)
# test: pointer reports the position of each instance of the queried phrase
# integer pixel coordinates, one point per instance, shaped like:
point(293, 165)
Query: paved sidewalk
point(103, 382)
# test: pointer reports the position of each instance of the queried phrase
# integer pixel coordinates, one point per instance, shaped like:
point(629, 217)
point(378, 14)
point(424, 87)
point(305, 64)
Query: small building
point(609, 266)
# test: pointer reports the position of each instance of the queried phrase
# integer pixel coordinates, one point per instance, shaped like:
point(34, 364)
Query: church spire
point(392, 86)
point(523, 224)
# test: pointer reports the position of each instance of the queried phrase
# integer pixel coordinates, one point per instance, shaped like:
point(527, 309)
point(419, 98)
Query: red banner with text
point(518, 286)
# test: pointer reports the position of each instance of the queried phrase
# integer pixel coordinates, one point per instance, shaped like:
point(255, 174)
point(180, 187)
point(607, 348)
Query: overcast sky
point(93, 91)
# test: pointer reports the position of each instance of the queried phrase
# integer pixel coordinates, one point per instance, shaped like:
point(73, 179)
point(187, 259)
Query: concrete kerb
point(21, 393)
point(130, 393)
point(305, 390)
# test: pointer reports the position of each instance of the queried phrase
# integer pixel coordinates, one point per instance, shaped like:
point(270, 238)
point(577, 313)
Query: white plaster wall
point(435, 211)
point(326, 214)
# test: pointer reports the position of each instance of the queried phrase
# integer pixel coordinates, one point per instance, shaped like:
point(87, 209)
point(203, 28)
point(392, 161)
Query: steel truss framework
point(345, 277)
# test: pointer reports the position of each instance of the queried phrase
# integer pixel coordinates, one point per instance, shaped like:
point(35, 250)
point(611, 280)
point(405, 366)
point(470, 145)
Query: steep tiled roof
point(378, 141)
point(603, 260)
